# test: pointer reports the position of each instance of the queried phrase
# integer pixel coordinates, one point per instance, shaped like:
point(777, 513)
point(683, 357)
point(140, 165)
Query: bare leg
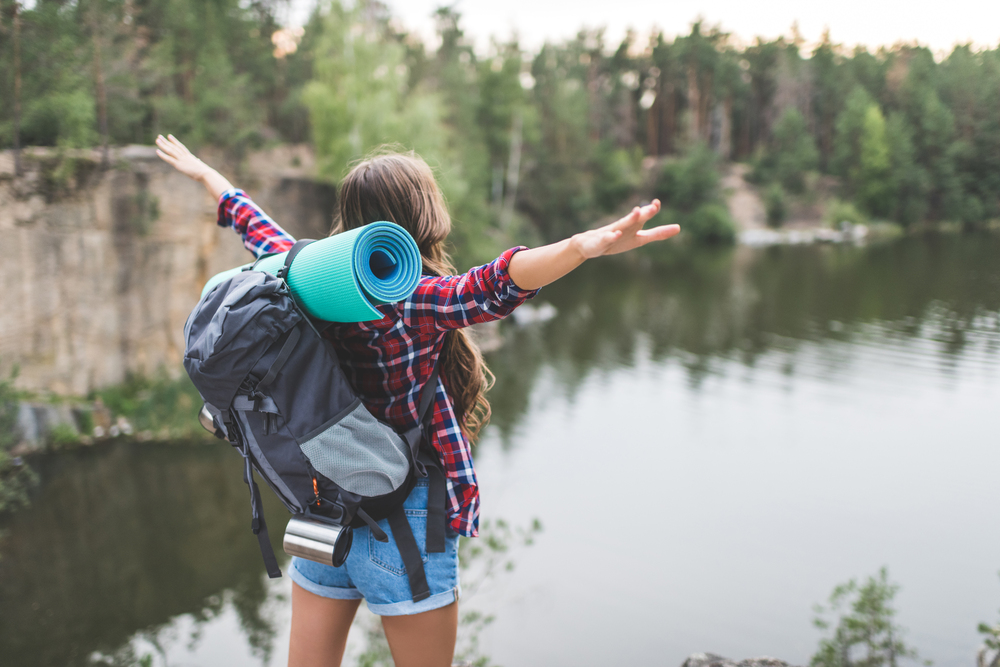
point(423, 640)
point(319, 629)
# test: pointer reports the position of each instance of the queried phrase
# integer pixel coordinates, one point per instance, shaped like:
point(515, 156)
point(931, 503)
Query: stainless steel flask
point(317, 540)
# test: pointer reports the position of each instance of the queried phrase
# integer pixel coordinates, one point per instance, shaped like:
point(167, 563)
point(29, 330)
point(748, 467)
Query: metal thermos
point(205, 418)
point(316, 540)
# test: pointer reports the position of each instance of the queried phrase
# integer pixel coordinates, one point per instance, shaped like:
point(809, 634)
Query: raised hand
point(534, 268)
point(624, 234)
point(176, 154)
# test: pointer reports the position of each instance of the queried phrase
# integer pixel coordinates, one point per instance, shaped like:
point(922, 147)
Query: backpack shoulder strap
point(437, 489)
point(427, 394)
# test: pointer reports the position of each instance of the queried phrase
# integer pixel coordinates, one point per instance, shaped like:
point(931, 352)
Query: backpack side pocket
point(358, 452)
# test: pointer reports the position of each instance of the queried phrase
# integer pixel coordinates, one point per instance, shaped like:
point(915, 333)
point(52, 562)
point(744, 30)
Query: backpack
point(273, 387)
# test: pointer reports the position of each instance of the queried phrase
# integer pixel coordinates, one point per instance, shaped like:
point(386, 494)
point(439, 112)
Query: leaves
point(865, 634)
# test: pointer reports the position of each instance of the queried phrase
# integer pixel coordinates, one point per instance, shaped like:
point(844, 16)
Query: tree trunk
point(513, 171)
point(670, 118)
point(705, 110)
point(694, 105)
point(653, 126)
point(17, 88)
point(726, 129)
point(102, 96)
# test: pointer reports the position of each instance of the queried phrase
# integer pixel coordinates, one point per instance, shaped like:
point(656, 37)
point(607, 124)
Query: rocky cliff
point(101, 266)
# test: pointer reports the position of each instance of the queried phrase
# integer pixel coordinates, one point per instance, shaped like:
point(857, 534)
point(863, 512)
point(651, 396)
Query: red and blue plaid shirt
point(389, 360)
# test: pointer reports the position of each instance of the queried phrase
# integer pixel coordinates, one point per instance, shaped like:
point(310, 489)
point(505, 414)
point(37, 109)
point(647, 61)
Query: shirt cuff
point(504, 264)
point(223, 219)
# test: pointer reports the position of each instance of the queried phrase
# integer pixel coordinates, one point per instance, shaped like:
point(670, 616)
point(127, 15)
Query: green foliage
point(872, 173)
point(689, 189)
point(991, 643)
point(792, 154)
point(358, 98)
point(618, 174)
point(160, 405)
point(710, 223)
point(524, 149)
point(63, 435)
point(204, 71)
point(16, 477)
point(908, 182)
point(849, 130)
point(838, 212)
point(775, 204)
point(864, 633)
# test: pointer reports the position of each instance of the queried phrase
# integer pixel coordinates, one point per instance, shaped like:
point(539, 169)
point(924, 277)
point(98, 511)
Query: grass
point(156, 406)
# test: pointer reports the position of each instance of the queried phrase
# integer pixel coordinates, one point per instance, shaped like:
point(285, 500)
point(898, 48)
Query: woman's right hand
point(176, 154)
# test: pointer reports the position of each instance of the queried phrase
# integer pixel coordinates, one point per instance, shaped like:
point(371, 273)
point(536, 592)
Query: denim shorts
point(374, 570)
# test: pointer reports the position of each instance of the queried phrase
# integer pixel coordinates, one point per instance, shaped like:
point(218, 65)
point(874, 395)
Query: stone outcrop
point(102, 266)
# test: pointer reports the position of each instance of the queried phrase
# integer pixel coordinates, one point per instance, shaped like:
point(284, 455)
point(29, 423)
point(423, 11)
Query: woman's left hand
point(623, 235)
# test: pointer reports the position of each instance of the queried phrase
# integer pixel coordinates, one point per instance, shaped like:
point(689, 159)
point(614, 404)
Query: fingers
point(165, 147)
point(638, 216)
point(176, 142)
point(171, 146)
point(661, 233)
point(169, 159)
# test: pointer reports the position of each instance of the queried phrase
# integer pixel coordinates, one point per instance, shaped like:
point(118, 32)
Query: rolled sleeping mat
point(343, 277)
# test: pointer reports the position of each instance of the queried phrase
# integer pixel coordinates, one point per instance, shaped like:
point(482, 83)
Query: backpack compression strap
point(290, 257)
point(258, 525)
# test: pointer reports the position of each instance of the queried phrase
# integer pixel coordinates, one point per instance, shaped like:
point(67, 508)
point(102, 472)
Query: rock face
point(713, 660)
point(102, 266)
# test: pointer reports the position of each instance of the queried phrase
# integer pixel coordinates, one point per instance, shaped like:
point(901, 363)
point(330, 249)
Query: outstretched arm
point(176, 154)
point(537, 267)
point(261, 234)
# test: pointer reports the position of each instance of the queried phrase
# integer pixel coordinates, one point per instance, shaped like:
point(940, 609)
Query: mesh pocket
point(359, 453)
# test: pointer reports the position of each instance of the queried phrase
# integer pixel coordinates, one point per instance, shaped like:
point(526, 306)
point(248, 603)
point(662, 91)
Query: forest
point(532, 145)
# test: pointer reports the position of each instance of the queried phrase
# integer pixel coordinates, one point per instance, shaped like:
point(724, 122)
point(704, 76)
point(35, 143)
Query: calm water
point(712, 442)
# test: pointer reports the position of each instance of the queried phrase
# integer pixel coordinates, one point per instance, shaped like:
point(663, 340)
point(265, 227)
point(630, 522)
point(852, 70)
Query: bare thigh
point(319, 629)
point(423, 640)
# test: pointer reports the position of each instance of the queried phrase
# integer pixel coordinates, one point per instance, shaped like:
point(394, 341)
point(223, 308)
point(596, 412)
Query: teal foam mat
point(343, 277)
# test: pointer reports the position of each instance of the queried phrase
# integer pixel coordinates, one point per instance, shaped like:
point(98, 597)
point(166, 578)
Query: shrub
point(689, 182)
point(791, 155)
point(839, 212)
point(157, 404)
point(63, 435)
point(710, 223)
point(865, 631)
point(16, 477)
point(689, 190)
point(775, 204)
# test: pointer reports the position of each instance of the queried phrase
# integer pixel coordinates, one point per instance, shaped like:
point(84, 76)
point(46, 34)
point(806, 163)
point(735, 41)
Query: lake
point(710, 441)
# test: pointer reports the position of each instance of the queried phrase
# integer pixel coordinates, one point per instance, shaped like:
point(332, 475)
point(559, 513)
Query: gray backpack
point(273, 387)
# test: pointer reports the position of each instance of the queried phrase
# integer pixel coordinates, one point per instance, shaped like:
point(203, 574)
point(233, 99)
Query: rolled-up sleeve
point(483, 294)
point(261, 235)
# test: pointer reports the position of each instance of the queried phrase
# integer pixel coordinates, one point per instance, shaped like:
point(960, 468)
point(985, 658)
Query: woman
point(388, 361)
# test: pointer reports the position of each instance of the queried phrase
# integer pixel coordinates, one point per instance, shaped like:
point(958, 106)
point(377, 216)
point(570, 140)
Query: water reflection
point(122, 539)
point(930, 301)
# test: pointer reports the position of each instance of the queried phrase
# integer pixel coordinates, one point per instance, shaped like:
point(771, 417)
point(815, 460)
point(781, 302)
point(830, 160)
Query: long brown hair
point(400, 187)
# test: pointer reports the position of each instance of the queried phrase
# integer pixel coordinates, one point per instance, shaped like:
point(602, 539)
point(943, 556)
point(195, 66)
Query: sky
point(939, 23)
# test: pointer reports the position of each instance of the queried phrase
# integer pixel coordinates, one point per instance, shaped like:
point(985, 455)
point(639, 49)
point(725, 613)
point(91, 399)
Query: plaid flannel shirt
point(389, 360)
